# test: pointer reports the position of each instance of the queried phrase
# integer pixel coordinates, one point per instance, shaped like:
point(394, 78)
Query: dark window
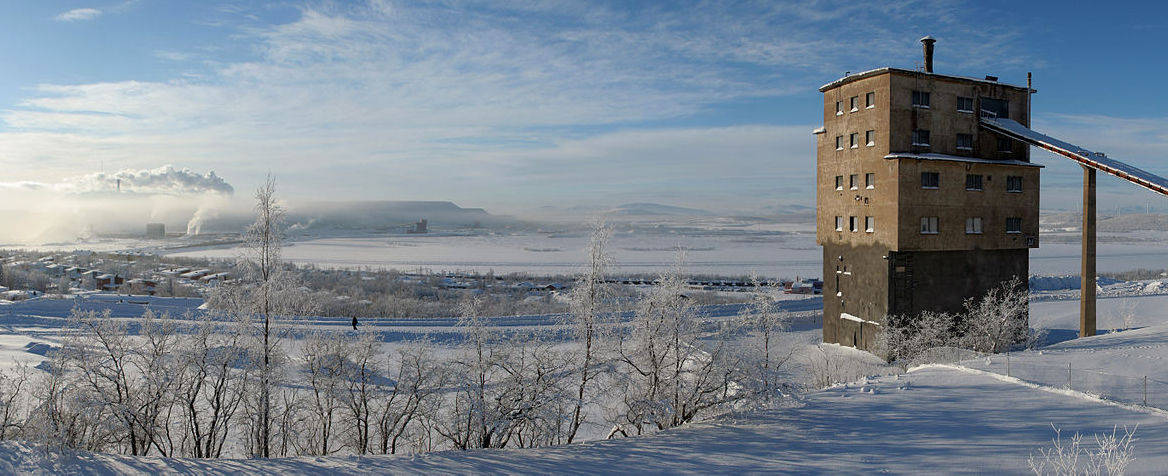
point(854, 139)
point(964, 104)
point(839, 223)
point(1013, 225)
point(1005, 145)
point(920, 137)
point(870, 224)
point(965, 141)
point(870, 180)
point(929, 225)
point(855, 103)
point(839, 142)
point(1013, 183)
point(920, 99)
point(852, 223)
point(870, 138)
point(930, 180)
point(870, 99)
point(972, 182)
point(995, 107)
point(839, 107)
point(854, 181)
point(839, 182)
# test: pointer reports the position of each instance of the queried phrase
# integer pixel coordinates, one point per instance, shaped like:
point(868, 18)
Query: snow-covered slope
point(929, 420)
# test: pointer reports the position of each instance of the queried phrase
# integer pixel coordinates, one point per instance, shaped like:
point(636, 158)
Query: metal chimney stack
point(927, 43)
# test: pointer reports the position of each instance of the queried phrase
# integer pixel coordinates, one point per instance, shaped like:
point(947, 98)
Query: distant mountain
point(386, 214)
point(657, 209)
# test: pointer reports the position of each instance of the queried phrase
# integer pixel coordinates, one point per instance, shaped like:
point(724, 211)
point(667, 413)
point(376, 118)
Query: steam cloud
point(165, 180)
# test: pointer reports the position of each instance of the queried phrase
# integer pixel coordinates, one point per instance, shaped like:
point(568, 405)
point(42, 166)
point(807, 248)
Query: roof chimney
point(927, 42)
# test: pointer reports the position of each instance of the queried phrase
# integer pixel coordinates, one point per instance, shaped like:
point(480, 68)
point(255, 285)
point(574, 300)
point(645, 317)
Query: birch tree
point(588, 307)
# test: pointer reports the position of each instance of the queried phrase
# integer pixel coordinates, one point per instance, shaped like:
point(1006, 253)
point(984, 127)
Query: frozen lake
point(768, 255)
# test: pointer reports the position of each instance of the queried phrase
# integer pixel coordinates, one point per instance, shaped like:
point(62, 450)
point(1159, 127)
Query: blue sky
point(516, 105)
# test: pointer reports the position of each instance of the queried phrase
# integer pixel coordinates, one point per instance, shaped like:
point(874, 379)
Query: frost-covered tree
point(213, 375)
point(673, 365)
point(263, 299)
point(127, 382)
point(589, 305)
point(997, 320)
point(763, 324)
point(409, 407)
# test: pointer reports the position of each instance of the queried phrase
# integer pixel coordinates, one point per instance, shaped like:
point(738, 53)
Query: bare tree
point(588, 308)
point(212, 389)
point(997, 320)
point(413, 398)
point(764, 324)
point(324, 361)
point(675, 365)
point(265, 293)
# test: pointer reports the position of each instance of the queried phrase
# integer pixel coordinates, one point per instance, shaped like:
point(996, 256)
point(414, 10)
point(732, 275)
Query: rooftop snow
point(957, 158)
point(878, 71)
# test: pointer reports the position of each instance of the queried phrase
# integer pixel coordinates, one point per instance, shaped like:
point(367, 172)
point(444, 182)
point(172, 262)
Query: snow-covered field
point(933, 419)
point(730, 254)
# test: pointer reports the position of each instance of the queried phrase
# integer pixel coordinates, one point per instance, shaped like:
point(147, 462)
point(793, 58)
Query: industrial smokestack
point(927, 43)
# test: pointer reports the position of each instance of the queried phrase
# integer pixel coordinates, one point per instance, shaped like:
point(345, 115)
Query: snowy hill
point(639, 209)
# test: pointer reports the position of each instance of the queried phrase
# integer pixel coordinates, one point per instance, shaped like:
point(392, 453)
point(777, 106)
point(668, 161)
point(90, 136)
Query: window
point(855, 103)
point(928, 225)
point(839, 223)
point(870, 100)
point(973, 182)
point(852, 223)
point(995, 107)
point(839, 182)
point(1004, 145)
point(1014, 225)
point(870, 224)
point(854, 181)
point(854, 139)
point(839, 108)
point(930, 180)
point(964, 104)
point(920, 99)
point(920, 137)
point(870, 180)
point(964, 141)
point(839, 142)
point(870, 138)
point(973, 226)
point(1013, 184)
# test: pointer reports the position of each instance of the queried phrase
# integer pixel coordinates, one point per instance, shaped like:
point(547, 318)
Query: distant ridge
point(644, 208)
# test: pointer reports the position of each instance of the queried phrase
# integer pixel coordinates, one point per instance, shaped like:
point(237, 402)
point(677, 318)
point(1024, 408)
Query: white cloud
point(78, 14)
point(464, 99)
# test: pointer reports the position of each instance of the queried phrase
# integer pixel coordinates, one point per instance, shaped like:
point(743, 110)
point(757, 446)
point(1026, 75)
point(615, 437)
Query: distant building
point(156, 231)
point(420, 227)
point(918, 207)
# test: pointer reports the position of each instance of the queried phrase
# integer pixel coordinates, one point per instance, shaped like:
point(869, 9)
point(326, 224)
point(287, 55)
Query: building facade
point(917, 208)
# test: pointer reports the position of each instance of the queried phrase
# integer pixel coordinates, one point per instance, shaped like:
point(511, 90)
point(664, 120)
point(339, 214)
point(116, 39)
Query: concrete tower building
point(917, 207)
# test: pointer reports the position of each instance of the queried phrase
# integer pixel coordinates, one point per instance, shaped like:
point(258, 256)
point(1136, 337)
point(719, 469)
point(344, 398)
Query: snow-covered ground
point(735, 253)
point(932, 419)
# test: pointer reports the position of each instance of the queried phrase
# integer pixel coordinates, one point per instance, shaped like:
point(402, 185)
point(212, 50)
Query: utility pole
point(1087, 271)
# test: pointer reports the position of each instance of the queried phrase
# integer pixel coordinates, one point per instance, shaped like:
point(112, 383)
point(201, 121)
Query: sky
point(516, 105)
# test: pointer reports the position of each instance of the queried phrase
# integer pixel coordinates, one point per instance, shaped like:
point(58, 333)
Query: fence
point(1131, 390)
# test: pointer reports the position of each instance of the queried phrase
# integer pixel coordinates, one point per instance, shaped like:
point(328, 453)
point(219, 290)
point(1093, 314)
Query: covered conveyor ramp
point(1091, 161)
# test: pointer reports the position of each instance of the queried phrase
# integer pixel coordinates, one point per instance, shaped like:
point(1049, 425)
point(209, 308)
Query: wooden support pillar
point(1087, 271)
